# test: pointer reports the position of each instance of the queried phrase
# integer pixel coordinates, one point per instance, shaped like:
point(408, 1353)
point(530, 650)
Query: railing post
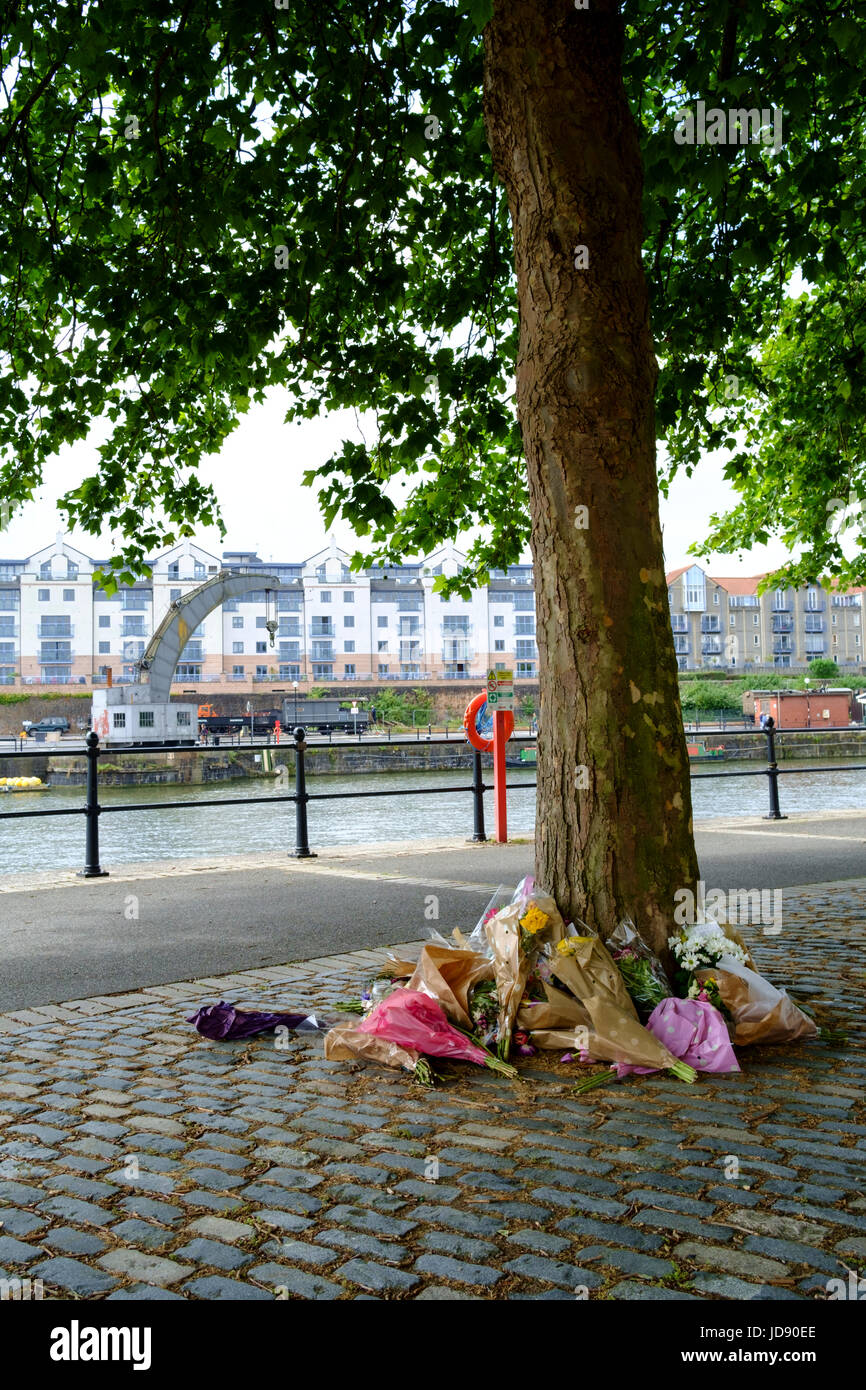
point(302, 847)
point(477, 799)
point(772, 772)
point(92, 867)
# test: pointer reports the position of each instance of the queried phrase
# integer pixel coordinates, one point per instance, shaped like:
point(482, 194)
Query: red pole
point(499, 741)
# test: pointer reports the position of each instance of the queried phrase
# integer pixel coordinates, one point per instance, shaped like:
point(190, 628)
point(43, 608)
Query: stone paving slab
point(139, 1161)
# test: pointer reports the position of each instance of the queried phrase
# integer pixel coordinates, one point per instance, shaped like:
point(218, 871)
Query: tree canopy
point(204, 199)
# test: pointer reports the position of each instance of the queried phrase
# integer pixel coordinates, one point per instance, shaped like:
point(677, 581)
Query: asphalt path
point(62, 937)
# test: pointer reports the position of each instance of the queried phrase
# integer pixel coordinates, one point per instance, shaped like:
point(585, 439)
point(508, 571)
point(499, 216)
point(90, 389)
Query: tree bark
point(614, 828)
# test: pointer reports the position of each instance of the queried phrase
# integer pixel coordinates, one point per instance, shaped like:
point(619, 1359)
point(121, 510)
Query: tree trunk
point(614, 829)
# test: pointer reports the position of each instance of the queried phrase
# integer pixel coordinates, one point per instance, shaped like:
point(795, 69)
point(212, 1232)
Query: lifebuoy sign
point(500, 690)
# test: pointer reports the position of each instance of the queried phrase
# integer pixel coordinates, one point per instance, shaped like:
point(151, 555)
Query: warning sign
point(500, 690)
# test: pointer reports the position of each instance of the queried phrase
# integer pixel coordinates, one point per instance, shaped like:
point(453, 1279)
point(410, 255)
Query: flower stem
point(597, 1079)
point(684, 1072)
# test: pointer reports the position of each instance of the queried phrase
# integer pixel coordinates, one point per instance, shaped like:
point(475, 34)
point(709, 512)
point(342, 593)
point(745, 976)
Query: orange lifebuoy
point(484, 745)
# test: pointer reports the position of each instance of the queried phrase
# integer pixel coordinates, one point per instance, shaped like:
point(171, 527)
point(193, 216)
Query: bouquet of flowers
point(641, 970)
point(414, 1021)
point(700, 946)
point(484, 1011)
point(584, 966)
point(515, 935)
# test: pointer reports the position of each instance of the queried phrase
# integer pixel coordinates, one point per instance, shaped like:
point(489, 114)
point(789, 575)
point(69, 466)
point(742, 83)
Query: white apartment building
point(384, 624)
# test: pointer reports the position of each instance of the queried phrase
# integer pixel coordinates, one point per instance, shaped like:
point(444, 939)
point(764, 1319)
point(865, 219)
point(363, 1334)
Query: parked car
point(51, 724)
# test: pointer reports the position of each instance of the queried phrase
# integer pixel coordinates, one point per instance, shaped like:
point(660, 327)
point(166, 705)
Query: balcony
point(783, 646)
point(288, 628)
point(322, 627)
point(681, 644)
point(192, 652)
point(133, 630)
point(54, 628)
point(711, 647)
point(455, 651)
point(56, 651)
point(410, 650)
point(711, 624)
point(322, 651)
point(783, 622)
point(679, 622)
point(814, 624)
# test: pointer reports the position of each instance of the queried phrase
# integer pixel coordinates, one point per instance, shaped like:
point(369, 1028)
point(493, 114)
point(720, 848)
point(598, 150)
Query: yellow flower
point(535, 920)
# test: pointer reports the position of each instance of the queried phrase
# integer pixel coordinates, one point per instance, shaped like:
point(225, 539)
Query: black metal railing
point(92, 809)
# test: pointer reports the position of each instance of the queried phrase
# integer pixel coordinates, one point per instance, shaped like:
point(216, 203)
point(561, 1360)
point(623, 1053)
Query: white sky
point(257, 477)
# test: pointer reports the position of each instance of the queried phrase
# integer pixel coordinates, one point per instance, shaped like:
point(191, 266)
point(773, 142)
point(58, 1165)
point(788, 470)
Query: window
point(349, 669)
point(119, 720)
point(756, 621)
point(382, 668)
point(104, 620)
point(732, 620)
point(500, 665)
point(45, 570)
point(237, 649)
point(44, 595)
point(145, 719)
point(183, 716)
point(757, 640)
point(261, 647)
point(348, 646)
point(833, 620)
point(104, 648)
point(237, 670)
point(325, 596)
point(349, 622)
point(381, 646)
point(261, 671)
point(237, 622)
point(174, 570)
point(348, 596)
point(716, 596)
point(499, 621)
point(68, 595)
point(381, 622)
point(499, 645)
point(260, 622)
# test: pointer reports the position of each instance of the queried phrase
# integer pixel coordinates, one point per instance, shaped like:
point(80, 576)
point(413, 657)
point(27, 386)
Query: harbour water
point(196, 831)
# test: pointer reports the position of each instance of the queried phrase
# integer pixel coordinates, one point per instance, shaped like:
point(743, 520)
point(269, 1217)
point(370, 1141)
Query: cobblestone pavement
point(138, 1161)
